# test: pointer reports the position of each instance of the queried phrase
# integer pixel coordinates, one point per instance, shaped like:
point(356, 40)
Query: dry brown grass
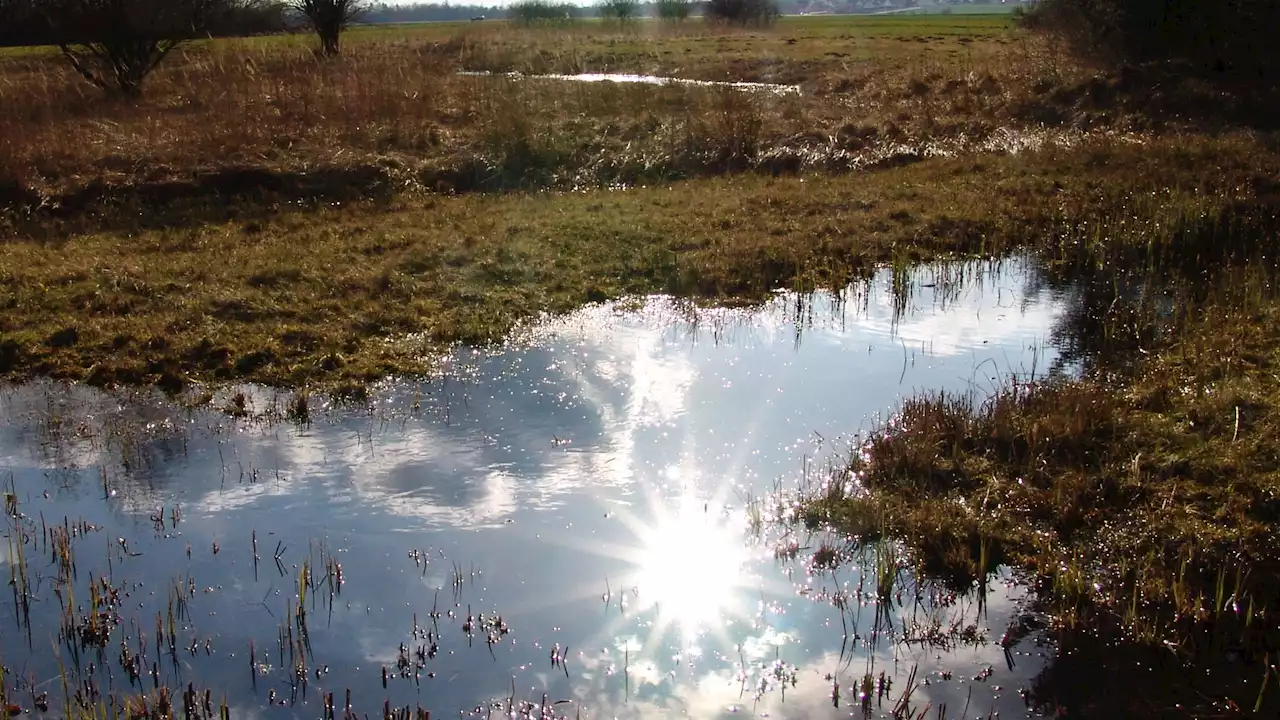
point(395, 105)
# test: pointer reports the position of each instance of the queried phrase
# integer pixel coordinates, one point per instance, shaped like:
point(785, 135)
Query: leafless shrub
point(116, 44)
point(329, 19)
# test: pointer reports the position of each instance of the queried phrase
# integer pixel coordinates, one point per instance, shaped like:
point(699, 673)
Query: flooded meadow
point(579, 371)
point(588, 521)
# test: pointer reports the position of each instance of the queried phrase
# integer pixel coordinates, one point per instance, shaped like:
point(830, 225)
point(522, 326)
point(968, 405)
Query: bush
point(1230, 37)
point(115, 45)
point(540, 12)
point(238, 18)
point(621, 11)
point(673, 10)
point(329, 19)
point(741, 12)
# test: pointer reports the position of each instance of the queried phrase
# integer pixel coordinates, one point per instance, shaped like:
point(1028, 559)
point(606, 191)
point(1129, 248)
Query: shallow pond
point(573, 525)
point(633, 79)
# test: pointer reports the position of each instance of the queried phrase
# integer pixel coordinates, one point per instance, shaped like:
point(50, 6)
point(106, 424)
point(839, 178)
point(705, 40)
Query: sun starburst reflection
point(689, 567)
point(687, 586)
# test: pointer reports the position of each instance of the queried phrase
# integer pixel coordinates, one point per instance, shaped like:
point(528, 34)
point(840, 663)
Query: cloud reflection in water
point(598, 455)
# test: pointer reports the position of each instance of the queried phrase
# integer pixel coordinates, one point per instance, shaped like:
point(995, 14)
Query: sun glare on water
point(688, 567)
point(684, 577)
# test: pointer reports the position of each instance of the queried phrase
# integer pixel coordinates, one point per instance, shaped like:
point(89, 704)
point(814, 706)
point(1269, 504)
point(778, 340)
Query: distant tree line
point(544, 12)
point(741, 12)
point(527, 11)
point(430, 12)
point(623, 12)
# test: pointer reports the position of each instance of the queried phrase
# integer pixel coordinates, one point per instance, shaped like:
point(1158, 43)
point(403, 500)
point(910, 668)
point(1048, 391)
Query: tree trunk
point(329, 46)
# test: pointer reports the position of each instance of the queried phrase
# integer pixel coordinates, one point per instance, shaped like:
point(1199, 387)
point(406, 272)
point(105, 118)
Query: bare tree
point(741, 12)
point(673, 11)
point(116, 44)
point(238, 18)
point(620, 11)
point(329, 18)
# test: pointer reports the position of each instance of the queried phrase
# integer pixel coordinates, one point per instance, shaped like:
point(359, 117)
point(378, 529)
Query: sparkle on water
point(633, 79)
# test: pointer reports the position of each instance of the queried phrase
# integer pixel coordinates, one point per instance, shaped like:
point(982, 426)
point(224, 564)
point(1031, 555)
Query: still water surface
point(591, 483)
point(633, 79)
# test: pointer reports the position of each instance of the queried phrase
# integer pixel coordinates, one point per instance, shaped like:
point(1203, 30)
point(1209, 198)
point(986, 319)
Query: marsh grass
point(298, 409)
point(378, 291)
point(238, 122)
point(1143, 492)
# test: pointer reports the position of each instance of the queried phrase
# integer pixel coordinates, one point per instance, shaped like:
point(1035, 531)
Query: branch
point(81, 68)
point(159, 51)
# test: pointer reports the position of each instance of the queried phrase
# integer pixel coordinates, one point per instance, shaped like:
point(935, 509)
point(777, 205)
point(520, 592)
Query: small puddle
point(626, 78)
point(560, 525)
